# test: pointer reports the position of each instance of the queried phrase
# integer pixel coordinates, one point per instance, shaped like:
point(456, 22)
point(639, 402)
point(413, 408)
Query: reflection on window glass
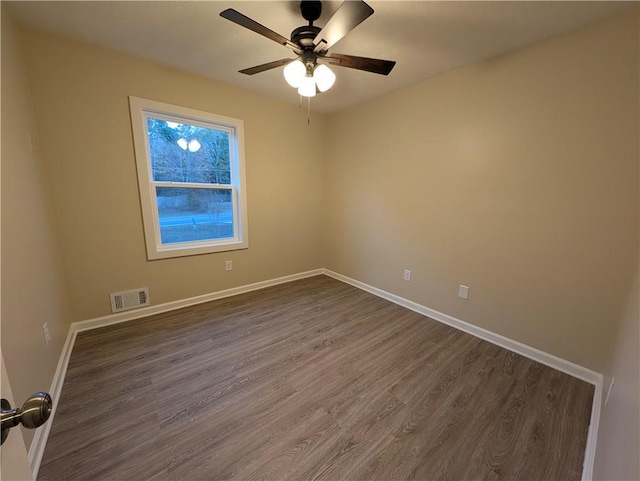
point(191, 178)
point(188, 153)
point(190, 215)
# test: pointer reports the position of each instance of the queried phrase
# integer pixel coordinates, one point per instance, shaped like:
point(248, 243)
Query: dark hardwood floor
point(314, 379)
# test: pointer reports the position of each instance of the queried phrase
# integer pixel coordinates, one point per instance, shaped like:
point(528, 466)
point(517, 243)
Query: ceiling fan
point(309, 72)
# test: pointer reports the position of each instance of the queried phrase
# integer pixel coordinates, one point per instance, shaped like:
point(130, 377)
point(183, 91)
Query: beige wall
point(81, 102)
point(517, 177)
point(33, 285)
point(618, 436)
point(618, 442)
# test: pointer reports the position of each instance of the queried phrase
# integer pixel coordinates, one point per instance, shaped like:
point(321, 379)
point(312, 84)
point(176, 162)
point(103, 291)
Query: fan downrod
point(311, 10)
point(304, 36)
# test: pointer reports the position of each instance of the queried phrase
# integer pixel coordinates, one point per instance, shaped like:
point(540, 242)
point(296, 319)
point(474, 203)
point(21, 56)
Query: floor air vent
point(125, 300)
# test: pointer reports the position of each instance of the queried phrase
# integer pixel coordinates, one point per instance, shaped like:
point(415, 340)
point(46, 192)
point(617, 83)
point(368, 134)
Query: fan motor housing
point(305, 35)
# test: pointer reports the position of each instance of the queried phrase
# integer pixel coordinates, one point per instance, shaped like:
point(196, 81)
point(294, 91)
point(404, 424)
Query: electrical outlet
point(45, 331)
point(407, 275)
point(463, 291)
point(228, 265)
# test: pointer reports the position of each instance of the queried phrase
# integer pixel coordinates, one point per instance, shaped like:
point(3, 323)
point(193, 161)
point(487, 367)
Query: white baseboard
point(537, 355)
point(542, 357)
point(39, 442)
point(590, 450)
point(40, 439)
point(36, 451)
point(191, 301)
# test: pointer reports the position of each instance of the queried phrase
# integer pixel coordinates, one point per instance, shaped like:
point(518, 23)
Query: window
point(191, 178)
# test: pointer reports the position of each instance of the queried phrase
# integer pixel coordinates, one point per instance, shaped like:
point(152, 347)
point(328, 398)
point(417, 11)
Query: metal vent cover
point(132, 299)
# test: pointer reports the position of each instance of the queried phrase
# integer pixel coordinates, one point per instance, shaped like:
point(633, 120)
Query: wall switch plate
point(463, 291)
point(45, 331)
point(407, 275)
point(228, 265)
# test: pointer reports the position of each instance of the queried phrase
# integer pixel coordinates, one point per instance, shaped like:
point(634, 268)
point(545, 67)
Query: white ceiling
point(426, 38)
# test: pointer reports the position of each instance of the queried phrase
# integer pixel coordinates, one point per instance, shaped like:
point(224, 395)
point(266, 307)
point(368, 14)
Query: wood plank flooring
point(310, 380)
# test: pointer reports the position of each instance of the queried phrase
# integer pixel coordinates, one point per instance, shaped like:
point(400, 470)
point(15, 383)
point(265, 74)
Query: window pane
point(188, 215)
point(187, 153)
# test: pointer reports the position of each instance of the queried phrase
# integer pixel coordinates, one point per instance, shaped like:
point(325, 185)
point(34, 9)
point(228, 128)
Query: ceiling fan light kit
point(306, 80)
point(307, 87)
point(324, 77)
point(294, 72)
point(311, 44)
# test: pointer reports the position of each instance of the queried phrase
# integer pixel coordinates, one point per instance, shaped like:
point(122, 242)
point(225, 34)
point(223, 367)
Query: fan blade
point(350, 14)
point(246, 22)
point(266, 66)
point(375, 65)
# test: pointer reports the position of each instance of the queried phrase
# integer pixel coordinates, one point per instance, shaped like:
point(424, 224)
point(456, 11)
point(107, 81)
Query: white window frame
point(141, 109)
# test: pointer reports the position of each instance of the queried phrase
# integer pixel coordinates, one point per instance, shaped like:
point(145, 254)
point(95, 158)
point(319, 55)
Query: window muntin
point(191, 178)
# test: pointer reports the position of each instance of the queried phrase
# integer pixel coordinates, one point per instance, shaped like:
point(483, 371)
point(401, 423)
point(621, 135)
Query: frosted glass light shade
point(294, 73)
point(307, 87)
point(324, 77)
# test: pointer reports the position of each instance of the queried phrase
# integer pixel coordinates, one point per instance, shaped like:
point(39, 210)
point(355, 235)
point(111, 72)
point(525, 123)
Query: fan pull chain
point(308, 109)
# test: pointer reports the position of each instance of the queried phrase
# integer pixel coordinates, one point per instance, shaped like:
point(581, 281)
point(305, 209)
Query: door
point(14, 464)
